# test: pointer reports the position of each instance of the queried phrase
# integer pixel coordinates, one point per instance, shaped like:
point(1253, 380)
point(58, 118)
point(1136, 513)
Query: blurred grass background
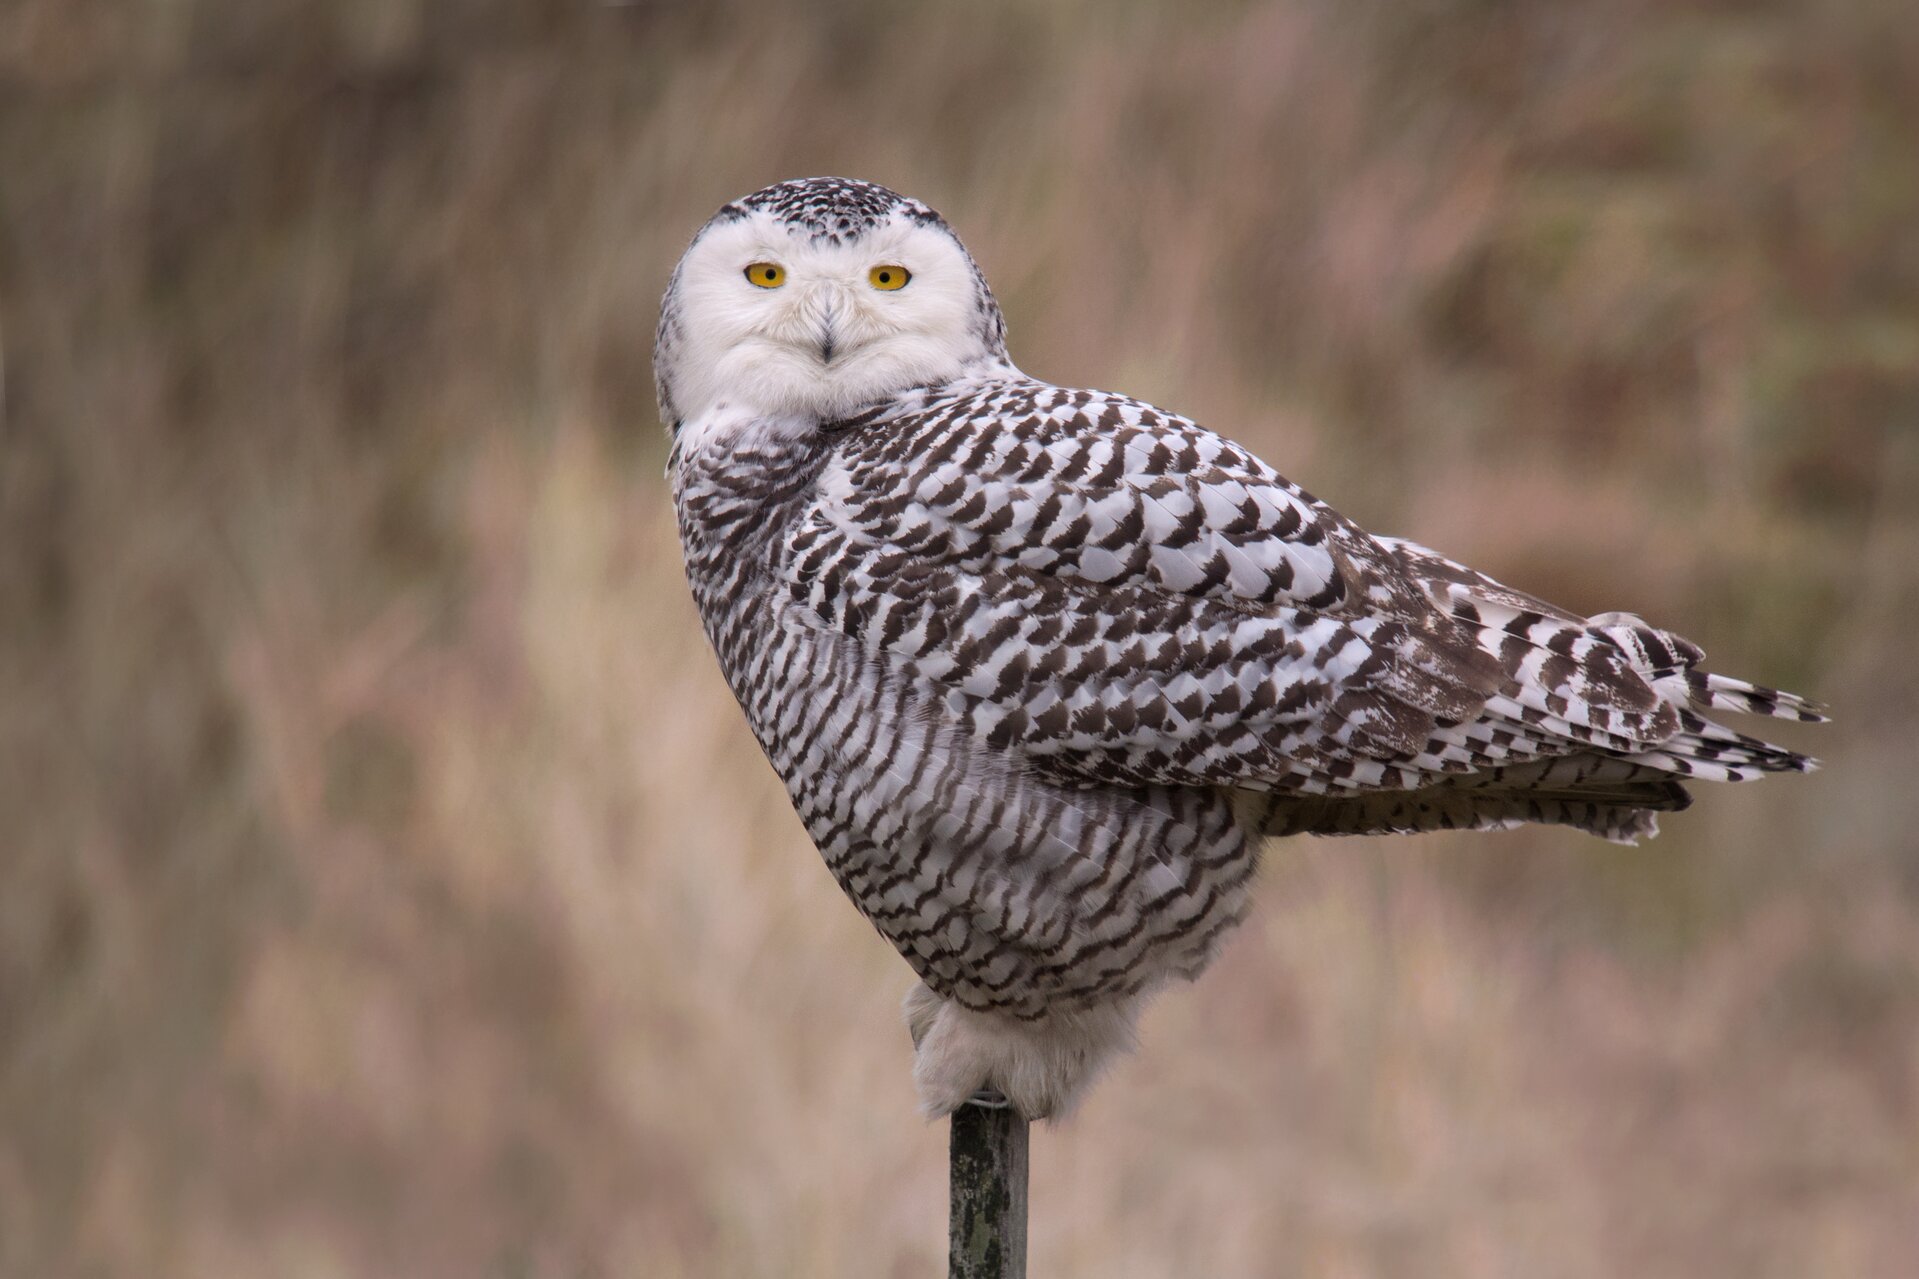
point(389, 886)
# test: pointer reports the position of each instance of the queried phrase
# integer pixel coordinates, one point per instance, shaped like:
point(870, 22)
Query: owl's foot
point(989, 1099)
point(1040, 1068)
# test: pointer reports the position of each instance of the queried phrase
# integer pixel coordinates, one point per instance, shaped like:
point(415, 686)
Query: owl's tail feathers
point(1671, 664)
point(1610, 792)
point(1707, 691)
point(1617, 801)
point(1712, 752)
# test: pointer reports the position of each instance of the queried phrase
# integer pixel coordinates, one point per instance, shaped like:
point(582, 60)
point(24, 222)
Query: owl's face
point(814, 298)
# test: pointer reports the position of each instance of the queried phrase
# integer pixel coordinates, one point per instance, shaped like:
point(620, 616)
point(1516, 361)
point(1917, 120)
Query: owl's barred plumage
point(1040, 667)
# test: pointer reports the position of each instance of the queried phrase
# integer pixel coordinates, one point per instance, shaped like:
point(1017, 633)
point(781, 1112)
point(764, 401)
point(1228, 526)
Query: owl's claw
point(989, 1099)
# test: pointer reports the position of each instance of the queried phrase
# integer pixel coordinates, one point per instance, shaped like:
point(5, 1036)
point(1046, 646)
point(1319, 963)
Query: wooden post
point(987, 1228)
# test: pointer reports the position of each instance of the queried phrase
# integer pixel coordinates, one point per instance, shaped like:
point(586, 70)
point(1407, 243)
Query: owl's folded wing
point(1144, 603)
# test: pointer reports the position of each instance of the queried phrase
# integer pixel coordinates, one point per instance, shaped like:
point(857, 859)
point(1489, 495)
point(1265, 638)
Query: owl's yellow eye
point(888, 277)
point(768, 275)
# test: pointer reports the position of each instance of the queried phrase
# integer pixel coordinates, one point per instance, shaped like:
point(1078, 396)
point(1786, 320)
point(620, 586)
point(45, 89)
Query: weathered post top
point(987, 1229)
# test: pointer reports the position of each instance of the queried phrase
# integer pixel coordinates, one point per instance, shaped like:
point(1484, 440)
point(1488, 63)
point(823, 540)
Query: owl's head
point(817, 297)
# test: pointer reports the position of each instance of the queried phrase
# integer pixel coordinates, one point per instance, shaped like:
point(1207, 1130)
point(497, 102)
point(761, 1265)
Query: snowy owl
point(1041, 667)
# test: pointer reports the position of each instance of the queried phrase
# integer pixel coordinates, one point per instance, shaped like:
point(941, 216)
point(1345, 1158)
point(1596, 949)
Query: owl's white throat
point(727, 428)
point(827, 366)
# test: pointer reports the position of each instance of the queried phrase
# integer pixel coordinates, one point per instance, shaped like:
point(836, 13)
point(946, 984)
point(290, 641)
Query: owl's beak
point(828, 337)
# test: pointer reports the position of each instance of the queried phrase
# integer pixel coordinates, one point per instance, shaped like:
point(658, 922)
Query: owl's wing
point(1120, 596)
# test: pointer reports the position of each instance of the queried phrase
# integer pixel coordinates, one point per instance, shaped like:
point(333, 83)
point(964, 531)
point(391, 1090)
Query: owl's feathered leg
point(1042, 1067)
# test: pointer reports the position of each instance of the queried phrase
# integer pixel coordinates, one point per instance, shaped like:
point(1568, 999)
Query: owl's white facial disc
point(828, 340)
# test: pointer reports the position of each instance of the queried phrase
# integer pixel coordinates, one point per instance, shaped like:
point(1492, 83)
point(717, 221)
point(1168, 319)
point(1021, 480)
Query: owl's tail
point(1611, 792)
point(1621, 810)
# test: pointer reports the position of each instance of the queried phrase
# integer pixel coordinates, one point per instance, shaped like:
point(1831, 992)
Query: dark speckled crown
point(834, 210)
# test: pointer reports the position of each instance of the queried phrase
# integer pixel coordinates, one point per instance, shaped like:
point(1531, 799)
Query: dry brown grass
point(389, 886)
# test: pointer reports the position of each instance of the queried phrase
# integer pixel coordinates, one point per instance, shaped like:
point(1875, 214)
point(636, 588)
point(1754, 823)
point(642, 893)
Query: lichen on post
point(987, 1229)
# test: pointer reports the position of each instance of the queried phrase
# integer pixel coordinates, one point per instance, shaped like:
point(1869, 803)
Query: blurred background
point(389, 885)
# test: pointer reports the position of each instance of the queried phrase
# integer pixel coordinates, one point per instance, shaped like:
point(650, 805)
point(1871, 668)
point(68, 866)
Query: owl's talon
point(989, 1099)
